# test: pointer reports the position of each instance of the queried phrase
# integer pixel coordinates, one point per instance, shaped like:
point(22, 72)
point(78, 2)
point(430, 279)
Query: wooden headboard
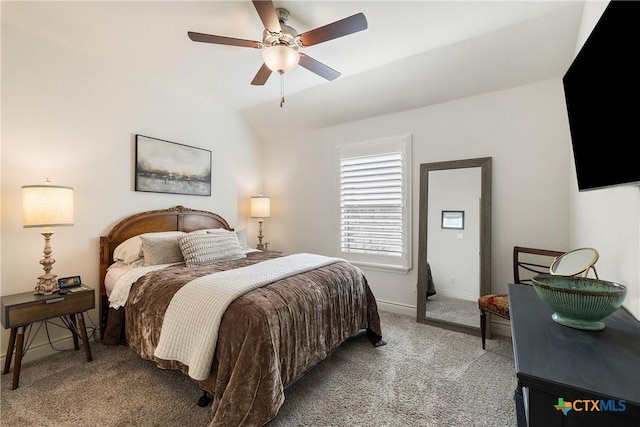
point(177, 218)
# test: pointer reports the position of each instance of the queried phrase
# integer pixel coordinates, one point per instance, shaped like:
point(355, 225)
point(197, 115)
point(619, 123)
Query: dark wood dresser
point(597, 373)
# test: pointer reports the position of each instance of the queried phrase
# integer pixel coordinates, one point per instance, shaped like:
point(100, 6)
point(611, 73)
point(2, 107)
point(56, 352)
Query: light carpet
point(424, 376)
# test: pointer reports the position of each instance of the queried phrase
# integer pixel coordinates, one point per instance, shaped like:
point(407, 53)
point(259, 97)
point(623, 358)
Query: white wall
point(73, 119)
point(524, 129)
point(608, 219)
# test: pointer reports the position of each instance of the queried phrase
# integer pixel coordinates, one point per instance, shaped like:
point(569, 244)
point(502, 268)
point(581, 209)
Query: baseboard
point(41, 350)
point(397, 308)
point(499, 326)
point(457, 295)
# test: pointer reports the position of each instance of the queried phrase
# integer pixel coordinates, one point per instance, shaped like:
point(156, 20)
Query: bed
point(266, 338)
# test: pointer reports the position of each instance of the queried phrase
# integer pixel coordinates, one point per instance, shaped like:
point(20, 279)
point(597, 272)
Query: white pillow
point(242, 238)
point(131, 249)
point(161, 249)
point(128, 251)
point(209, 248)
point(122, 264)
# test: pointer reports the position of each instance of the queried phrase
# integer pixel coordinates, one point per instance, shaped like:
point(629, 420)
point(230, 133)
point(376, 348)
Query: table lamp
point(260, 208)
point(47, 206)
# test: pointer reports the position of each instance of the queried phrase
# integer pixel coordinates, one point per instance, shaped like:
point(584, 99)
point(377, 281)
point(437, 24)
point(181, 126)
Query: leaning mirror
point(454, 243)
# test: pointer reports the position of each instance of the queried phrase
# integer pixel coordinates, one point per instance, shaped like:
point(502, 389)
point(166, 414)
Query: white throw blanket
point(190, 328)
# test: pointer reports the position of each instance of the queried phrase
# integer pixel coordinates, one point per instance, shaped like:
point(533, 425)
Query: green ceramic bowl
point(579, 302)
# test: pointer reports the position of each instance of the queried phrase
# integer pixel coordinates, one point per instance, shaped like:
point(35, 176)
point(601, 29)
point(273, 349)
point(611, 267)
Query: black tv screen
point(602, 92)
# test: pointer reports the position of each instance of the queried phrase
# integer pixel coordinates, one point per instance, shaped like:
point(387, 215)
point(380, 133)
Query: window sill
point(388, 268)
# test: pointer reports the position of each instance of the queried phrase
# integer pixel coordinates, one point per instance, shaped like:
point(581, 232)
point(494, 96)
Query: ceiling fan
point(281, 42)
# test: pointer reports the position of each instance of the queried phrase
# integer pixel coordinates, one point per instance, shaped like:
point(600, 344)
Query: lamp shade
point(281, 58)
point(47, 205)
point(260, 207)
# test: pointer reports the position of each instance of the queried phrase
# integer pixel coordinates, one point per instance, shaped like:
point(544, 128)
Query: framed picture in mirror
point(453, 220)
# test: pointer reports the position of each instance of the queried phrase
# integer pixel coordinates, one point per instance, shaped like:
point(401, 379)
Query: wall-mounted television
point(602, 92)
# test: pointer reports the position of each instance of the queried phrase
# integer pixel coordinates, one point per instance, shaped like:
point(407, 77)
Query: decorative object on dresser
point(20, 311)
point(261, 208)
point(47, 206)
point(295, 311)
point(575, 262)
point(527, 262)
point(570, 377)
point(579, 302)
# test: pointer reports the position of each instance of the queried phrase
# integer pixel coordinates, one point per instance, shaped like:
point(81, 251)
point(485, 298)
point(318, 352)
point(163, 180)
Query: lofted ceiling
point(414, 53)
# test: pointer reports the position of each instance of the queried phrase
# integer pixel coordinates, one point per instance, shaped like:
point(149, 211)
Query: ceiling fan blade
point(230, 41)
point(340, 28)
point(267, 12)
point(318, 67)
point(261, 77)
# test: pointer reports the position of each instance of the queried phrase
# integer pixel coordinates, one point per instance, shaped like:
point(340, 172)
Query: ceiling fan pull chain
point(281, 89)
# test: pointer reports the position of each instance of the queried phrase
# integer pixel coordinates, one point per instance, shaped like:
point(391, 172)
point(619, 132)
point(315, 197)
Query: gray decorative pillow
point(240, 234)
point(209, 248)
point(130, 251)
point(159, 249)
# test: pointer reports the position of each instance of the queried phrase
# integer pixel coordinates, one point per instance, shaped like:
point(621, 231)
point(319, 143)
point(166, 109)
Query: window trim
point(402, 143)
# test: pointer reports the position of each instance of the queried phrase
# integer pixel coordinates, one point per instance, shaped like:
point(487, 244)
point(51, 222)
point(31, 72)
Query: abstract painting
point(168, 167)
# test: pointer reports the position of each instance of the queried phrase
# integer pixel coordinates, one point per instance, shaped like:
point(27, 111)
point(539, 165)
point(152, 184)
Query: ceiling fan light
point(280, 58)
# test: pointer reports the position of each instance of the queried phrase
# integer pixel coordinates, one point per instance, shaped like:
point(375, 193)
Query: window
point(375, 204)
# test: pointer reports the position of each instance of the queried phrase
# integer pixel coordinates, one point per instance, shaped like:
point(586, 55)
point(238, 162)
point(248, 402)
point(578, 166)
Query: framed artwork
point(453, 220)
point(168, 167)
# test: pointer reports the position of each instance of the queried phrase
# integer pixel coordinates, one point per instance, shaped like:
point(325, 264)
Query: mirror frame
point(585, 269)
point(484, 163)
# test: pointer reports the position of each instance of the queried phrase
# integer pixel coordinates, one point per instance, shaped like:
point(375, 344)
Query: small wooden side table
point(22, 310)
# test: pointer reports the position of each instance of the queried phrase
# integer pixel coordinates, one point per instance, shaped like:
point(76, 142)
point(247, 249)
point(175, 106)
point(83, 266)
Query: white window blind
point(374, 212)
point(371, 204)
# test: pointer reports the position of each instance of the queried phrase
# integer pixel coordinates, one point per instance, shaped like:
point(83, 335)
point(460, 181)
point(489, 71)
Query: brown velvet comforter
point(267, 338)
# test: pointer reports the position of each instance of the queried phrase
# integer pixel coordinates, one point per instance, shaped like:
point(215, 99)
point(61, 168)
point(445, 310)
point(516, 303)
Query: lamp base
point(47, 284)
point(261, 246)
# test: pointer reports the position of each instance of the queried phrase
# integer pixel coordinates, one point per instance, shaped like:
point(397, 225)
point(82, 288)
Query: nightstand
point(22, 310)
